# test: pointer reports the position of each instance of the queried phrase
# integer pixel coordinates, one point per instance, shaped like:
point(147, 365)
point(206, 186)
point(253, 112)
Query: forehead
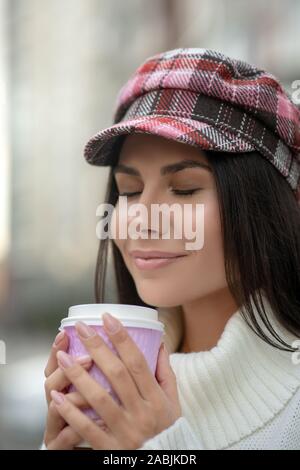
point(137, 148)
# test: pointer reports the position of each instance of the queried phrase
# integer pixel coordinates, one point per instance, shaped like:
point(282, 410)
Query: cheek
point(120, 244)
point(116, 223)
point(211, 257)
point(204, 270)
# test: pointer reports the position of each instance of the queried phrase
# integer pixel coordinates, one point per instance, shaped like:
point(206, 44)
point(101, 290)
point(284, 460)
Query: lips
point(154, 254)
point(154, 259)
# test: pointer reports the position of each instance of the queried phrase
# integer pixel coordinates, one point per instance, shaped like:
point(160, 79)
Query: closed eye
point(128, 194)
point(178, 192)
point(185, 192)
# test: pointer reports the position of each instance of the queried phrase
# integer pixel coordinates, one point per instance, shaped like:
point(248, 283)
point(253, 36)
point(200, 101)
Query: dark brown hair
point(260, 222)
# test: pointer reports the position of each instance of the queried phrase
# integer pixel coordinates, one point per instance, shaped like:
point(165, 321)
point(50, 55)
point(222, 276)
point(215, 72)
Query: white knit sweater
point(242, 394)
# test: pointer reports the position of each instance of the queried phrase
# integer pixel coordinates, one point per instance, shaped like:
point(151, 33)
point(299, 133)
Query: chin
point(158, 298)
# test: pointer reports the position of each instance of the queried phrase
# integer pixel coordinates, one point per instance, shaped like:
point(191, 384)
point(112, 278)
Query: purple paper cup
point(141, 323)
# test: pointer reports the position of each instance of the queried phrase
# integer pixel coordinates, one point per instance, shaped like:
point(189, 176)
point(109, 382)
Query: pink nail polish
point(59, 338)
point(85, 330)
point(57, 397)
point(65, 359)
point(83, 359)
point(111, 324)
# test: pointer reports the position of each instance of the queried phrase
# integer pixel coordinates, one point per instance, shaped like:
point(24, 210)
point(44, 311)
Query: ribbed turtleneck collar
point(229, 392)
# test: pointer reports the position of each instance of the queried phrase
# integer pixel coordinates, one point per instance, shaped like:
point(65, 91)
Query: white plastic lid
point(129, 315)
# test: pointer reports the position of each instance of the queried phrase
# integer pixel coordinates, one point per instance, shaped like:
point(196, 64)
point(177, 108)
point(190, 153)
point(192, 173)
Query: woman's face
point(198, 272)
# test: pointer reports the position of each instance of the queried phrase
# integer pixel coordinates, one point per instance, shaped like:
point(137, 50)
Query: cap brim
point(103, 148)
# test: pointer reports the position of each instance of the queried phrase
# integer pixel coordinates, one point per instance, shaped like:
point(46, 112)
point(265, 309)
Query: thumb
point(165, 374)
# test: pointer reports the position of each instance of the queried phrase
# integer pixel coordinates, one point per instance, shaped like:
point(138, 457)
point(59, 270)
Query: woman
point(193, 126)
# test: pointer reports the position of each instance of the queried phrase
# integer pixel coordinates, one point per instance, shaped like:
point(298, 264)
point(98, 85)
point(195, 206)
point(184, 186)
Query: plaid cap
point(204, 98)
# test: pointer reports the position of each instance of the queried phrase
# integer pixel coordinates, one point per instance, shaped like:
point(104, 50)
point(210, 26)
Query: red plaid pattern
point(203, 98)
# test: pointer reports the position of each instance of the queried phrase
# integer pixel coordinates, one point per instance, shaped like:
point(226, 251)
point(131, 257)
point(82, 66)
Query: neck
point(205, 320)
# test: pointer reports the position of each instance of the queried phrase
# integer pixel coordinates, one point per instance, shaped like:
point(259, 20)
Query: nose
point(144, 215)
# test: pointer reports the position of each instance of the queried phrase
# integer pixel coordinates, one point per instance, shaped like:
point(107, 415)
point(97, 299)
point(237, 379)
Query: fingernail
point(111, 324)
point(57, 397)
point(83, 359)
point(65, 359)
point(59, 338)
point(85, 330)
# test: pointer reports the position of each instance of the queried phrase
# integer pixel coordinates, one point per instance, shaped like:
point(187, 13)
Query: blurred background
point(62, 63)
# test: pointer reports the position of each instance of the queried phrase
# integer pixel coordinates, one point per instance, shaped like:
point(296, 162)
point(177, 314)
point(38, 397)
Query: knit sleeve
point(178, 436)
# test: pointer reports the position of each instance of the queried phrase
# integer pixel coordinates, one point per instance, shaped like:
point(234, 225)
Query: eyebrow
point(169, 169)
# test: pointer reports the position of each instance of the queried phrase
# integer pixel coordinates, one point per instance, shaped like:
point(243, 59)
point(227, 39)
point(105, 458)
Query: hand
point(58, 435)
point(149, 404)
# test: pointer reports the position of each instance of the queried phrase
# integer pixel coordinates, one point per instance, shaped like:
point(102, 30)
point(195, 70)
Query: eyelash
point(178, 192)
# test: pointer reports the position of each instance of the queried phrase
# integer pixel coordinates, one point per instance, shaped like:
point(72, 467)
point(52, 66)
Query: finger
point(77, 399)
point(133, 358)
point(111, 365)
point(97, 397)
point(60, 344)
point(58, 379)
point(79, 422)
point(55, 423)
point(67, 439)
point(166, 377)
